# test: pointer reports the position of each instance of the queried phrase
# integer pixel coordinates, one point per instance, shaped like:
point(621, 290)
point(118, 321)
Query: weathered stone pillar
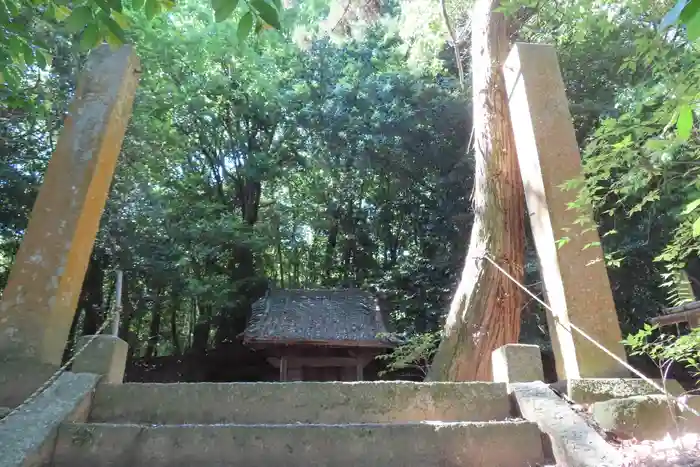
point(39, 301)
point(574, 274)
point(517, 363)
point(104, 355)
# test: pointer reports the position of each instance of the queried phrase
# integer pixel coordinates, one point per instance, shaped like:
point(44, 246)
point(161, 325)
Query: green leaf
point(224, 10)
point(61, 12)
point(79, 18)
point(90, 37)
point(121, 19)
point(116, 5)
point(11, 78)
point(12, 7)
point(137, 4)
point(41, 60)
point(114, 28)
point(245, 25)
point(47, 57)
point(691, 207)
point(684, 124)
point(696, 227)
point(690, 11)
point(104, 6)
point(267, 12)
point(4, 14)
point(27, 53)
point(152, 9)
point(692, 27)
point(15, 47)
point(113, 40)
point(673, 15)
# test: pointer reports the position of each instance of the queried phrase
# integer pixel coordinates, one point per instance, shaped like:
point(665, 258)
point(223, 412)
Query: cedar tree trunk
point(485, 311)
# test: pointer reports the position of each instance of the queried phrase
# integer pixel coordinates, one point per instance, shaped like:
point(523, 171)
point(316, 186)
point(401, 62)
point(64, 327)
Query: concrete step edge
point(306, 402)
point(464, 444)
point(436, 423)
point(322, 383)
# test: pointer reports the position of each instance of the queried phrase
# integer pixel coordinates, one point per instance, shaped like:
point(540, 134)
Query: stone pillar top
point(517, 363)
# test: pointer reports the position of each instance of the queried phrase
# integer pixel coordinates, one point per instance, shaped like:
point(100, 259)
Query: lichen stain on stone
point(53, 283)
point(36, 258)
point(82, 436)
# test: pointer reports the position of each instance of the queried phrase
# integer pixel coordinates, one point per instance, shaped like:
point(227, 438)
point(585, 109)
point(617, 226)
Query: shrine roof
point(336, 317)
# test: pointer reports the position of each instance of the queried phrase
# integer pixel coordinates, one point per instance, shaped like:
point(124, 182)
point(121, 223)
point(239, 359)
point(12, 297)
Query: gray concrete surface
point(574, 442)
point(251, 403)
point(477, 444)
point(27, 437)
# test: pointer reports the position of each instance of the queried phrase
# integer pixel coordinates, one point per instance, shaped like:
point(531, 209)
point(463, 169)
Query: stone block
point(590, 390)
point(474, 444)
point(517, 363)
point(300, 402)
point(27, 437)
point(105, 355)
point(574, 442)
point(689, 421)
point(642, 417)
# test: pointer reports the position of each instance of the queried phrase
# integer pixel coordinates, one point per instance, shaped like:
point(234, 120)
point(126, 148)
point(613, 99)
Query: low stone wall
point(646, 417)
point(295, 402)
point(624, 407)
point(28, 435)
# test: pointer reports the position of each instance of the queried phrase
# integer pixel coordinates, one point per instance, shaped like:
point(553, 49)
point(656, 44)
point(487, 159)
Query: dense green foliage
point(256, 160)
point(305, 160)
point(91, 22)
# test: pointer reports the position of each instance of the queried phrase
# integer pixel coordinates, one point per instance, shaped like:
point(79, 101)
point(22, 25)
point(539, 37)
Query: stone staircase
point(377, 424)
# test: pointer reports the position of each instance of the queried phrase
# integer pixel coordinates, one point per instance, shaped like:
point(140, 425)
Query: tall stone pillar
point(574, 275)
point(42, 292)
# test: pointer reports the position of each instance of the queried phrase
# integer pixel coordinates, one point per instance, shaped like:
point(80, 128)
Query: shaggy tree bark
point(485, 311)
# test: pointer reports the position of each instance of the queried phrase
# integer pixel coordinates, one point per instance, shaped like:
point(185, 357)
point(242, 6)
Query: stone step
point(303, 402)
point(465, 444)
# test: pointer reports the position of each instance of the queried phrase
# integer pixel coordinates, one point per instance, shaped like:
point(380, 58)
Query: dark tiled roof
point(326, 316)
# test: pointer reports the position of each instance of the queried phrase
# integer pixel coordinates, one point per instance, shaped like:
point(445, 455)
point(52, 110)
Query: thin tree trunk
point(175, 307)
point(68, 350)
point(154, 331)
point(91, 296)
point(485, 311)
point(329, 254)
point(128, 310)
point(280, 258)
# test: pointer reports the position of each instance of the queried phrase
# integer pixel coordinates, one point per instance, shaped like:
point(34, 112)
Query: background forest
point(333, 151)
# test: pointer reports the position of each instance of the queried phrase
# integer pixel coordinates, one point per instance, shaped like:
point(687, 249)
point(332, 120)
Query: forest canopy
point(327, 144)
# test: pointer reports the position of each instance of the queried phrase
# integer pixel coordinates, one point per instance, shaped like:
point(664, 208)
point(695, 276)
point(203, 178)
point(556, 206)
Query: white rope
point(593, 341)
point(114, 312)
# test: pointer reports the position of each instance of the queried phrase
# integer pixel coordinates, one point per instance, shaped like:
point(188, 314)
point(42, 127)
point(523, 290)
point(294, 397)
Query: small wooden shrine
point(318, 335)
point(686, 313)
